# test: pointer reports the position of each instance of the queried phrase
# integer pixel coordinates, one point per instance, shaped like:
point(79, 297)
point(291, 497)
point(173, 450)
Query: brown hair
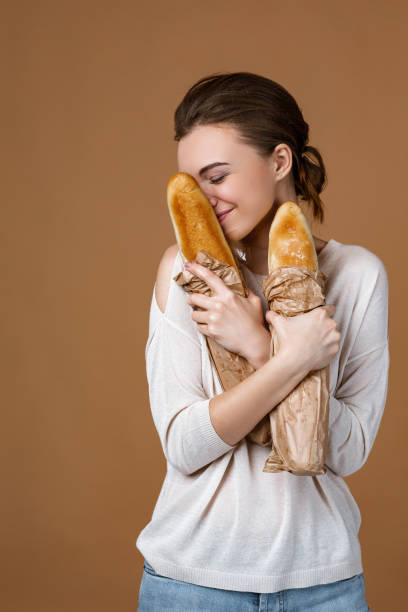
point(265, 115)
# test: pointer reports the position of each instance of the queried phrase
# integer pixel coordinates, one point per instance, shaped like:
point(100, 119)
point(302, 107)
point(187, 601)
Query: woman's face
point(243, 189)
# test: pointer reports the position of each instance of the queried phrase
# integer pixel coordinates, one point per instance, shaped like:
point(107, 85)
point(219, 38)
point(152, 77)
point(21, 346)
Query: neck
point(256, 244)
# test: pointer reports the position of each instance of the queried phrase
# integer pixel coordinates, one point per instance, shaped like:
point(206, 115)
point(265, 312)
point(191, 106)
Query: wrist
point(257, 354)
point(293, 363)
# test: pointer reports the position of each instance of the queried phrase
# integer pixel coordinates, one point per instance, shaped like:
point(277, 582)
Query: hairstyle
point(265, 114)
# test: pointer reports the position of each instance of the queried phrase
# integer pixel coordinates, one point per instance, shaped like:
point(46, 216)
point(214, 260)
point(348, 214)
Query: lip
point(224, 214)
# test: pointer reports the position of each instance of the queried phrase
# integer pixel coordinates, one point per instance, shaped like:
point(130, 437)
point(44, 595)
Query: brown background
point(89, 92)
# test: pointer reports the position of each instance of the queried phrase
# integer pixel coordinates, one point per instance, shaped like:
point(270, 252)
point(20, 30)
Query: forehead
point(206, 144)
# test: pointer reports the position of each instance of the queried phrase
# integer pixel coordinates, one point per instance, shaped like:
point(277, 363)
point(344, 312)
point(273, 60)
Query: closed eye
point(217, 180)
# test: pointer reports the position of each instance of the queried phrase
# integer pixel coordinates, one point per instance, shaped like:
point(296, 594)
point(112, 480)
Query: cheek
point(256, 196)
point(261, 185)
point(231, 191)
point(263, 197)
point(252, 195)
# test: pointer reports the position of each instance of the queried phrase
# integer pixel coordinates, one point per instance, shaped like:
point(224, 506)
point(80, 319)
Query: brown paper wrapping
point(231, 368)
point(298, 425)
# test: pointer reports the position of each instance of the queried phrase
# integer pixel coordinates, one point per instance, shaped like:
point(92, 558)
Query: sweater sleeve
point(178, 401)
point(357, 405)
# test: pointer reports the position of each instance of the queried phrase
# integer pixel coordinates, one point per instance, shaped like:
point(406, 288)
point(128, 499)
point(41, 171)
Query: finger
point(199, 299)
point(200, 316)
point(203, 329)
point(213, 281)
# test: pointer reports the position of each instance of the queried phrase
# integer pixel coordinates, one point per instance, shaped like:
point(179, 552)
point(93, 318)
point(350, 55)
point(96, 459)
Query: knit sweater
point(219, 520)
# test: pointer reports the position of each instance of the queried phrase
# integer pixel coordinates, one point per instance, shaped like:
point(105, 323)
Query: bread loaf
point(298, 424)
point(194, 221)
point(200, 238)
point(290, 239)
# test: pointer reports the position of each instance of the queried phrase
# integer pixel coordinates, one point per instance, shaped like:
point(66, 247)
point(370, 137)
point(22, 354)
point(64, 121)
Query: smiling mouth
point(224, 214)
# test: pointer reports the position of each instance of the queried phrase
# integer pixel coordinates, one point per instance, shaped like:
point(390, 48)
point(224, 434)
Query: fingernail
point(187, 264)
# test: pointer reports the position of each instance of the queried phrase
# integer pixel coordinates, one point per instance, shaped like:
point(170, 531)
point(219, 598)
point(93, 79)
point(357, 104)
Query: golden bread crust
point(290, 240)
point(195, 223)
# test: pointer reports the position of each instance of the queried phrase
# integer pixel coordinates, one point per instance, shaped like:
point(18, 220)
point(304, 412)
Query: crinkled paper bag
point(230, 367)
point(298, 425)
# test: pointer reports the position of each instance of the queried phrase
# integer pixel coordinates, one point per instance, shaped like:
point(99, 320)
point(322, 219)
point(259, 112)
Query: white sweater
point(219, 520)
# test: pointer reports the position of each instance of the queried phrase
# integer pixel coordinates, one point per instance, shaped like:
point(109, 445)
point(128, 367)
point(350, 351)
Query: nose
point(208, 191)
point(213, 200)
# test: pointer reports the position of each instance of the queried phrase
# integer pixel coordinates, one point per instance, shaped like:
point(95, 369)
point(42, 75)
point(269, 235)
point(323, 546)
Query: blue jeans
point(161, 594)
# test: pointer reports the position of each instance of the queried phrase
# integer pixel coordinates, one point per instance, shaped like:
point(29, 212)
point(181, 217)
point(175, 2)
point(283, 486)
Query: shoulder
point(163, 276)
point(359, 262)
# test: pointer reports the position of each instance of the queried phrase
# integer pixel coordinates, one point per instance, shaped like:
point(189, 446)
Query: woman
point(224, 535)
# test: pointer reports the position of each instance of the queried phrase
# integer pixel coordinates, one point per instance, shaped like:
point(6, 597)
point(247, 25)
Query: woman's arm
point(359, 399)
point(195, 430)
point(356, 410)
point(258, 354)
point(311, 340)
point(238, 324)
point(235, 412)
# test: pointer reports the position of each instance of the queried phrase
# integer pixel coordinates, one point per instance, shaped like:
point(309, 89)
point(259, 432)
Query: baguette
point(299, 424)
point(290, 239)
point(195, 223)
point(200, 238)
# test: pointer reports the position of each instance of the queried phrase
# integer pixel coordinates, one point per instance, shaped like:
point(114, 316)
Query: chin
point(234, 236)
point(238, 234)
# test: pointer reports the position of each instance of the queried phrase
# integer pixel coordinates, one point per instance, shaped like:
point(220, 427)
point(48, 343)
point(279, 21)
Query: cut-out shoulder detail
point(163, 276)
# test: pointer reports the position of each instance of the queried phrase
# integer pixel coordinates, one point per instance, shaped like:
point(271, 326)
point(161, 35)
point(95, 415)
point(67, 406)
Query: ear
point(281, 160)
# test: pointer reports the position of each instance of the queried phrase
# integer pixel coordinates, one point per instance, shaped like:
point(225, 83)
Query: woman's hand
point(235, 322)
point(311, 338)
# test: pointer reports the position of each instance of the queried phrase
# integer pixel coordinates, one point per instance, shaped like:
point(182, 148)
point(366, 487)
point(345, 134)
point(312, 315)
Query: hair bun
point(311, 178)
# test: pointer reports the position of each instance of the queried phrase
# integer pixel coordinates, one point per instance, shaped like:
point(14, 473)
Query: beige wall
point(89, 93)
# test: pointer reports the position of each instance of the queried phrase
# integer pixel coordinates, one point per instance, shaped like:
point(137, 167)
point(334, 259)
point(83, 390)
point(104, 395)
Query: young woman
point(224, 535)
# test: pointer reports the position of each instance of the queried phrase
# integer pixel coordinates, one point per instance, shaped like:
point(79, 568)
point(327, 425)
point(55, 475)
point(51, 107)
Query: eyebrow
point(213, 165)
